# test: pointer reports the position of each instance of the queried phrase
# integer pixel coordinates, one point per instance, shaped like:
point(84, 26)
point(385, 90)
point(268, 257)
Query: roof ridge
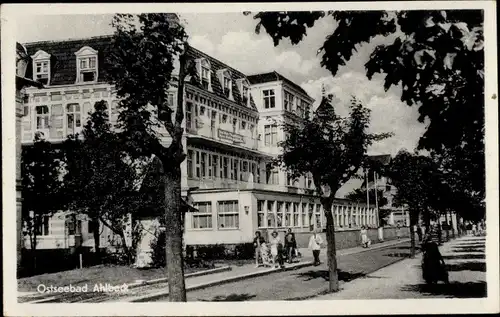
point(69, 39)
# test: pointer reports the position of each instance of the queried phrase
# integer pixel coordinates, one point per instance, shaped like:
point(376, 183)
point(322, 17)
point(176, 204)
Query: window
point(272, 176)
point(269, 99)
point(43, 228)
point(311, 213)
point(215, 163)
point(288, 101)
point(73, 118)
point(56, 122)
point(42, 72)
point(190, 163)
point(235, 169)
point(197, 164)
point(225, 168)
point(189, 115)
point(305, 219)
point(228, 215)
point(235, 125)
point(260, 214)
point(203, 164)
point(279, 213)
point(243, 125)
point(271, 134)
point(289, 179)
point(303, 107)
point(205, 74)
point(227, 85)
point(309, 180)
point(295, 217)
point(42, 117)
point(202, 218)
point(245, 96)
point(288, 211)
point(86, 64)
point(271, 220)
point(318, 216)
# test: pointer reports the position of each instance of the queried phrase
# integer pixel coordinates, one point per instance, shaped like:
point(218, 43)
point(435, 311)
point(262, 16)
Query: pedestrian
point(419, 233)
point(315, 243)
point(274, 242)
point(290, 245)
point(265, 254)
point(381, 233)
point(474, 229)
point(258, 240)
point(398, 229)
point(364, 237)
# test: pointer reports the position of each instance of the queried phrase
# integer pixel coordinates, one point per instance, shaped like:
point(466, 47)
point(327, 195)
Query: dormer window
point(86, 64)
point(245, 91)
point(41, 67)
point(227, 86)
point(204, 71)
point(227, 83)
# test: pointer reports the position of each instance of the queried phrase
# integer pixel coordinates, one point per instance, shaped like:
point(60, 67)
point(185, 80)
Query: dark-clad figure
point(258, 240)
point(433, 266)
point(290, 245)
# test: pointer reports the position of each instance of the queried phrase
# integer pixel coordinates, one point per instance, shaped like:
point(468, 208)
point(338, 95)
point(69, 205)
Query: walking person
point(364, 237)
point(274, 242)
point(315, 243)
point(419, 233)
point(398, 229)
point(258, 240)
point(290, 245)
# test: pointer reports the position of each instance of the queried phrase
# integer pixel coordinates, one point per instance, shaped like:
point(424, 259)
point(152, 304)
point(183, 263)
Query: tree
point(332, 149)
point(100, 180)
point(438, 59)
point(141, 64)
point(41, 187)
point(418, 183)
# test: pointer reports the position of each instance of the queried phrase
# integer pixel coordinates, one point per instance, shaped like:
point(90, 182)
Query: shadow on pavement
point(230, 298)
point(464, 257)
point(457, 290)
point(343, 276)
point(467, 266)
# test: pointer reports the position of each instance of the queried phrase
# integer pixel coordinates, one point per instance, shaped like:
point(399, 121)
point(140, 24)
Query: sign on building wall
point(230, 136)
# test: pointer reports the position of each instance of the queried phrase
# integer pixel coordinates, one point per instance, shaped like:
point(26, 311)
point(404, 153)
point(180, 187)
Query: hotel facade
point(232, 130)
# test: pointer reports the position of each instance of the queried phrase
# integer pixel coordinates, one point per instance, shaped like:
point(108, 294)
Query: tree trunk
point(126, 249)
point(173, 233)
point(447, 226)
point(413, 221)
point(331, 252)
point(97, 240)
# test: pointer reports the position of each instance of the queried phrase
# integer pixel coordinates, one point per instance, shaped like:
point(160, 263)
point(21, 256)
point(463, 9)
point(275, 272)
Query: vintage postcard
point(250, 158)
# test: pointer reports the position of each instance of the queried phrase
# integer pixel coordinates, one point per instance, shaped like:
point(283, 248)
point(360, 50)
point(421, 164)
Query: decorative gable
point(204, 69)
point(86, 65)
point(244, 87)
point(41, 67)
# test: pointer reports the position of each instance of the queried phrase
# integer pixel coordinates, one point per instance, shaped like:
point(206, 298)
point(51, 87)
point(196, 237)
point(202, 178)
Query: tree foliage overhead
point(359, 195)
point(436, 57)
point(145, 47)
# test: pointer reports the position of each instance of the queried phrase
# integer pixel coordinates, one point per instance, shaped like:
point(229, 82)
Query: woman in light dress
point(364, 237)
point(274, 242)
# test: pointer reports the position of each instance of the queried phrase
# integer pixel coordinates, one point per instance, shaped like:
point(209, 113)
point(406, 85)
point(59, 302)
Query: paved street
point(464, 258)
point(302, 283)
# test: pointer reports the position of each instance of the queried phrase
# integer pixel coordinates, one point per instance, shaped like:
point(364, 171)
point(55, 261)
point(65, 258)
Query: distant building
point(232, 123)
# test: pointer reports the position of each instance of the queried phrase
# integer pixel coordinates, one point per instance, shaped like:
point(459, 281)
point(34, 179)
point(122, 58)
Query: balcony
point(225, 183)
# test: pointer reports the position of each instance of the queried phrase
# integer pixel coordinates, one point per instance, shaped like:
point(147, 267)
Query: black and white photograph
point(303, 158)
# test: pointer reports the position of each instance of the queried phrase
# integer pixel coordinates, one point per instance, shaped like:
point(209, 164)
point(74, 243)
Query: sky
point(231, 38)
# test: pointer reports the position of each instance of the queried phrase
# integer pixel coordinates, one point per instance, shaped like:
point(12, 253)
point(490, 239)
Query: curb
point(223, 281)
point(37, 300)
point(194, 274)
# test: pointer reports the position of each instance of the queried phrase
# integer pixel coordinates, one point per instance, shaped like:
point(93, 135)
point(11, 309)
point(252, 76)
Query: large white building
point(232, 124)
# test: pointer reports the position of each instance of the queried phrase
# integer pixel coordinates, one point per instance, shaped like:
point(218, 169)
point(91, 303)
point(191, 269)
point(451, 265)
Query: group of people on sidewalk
point(275, 252)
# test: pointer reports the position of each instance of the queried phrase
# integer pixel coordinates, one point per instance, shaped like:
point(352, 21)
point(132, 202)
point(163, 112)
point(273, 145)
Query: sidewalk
point(465, 261)
point(250, 271)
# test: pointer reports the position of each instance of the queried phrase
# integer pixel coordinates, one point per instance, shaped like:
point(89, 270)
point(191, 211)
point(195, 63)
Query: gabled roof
point(63, 63)
point(274, 76)
point(217, 65)
point(63, 59)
